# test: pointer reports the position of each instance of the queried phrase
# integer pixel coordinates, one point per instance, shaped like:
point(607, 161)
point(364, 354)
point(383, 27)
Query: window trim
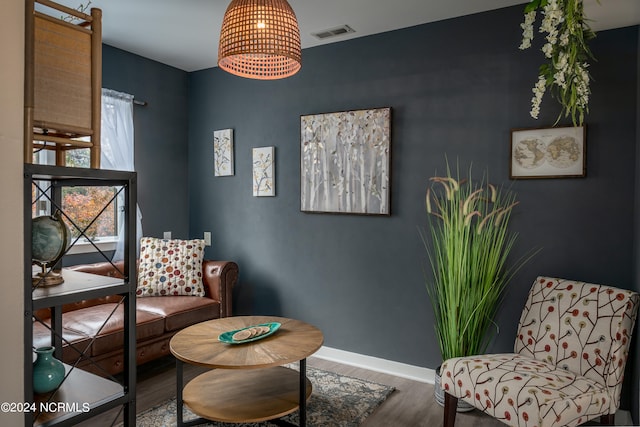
point(82, 246)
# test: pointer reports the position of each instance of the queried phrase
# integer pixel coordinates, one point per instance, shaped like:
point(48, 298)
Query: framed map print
point(548, 153)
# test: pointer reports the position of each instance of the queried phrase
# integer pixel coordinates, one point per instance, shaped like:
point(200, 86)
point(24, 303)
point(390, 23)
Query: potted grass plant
point(468, 244)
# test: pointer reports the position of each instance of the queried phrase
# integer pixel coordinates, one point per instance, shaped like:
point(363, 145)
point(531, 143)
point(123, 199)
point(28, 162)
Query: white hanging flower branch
point(565, 74)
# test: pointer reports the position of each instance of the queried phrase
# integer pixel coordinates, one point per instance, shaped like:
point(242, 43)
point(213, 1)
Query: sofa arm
point(104, 268)
point(219, 278)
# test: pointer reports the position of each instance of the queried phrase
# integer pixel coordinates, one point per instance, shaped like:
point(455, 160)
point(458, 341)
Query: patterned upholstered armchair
point(569, 360)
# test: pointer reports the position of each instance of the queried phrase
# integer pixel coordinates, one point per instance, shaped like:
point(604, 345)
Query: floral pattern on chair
point(570, 353)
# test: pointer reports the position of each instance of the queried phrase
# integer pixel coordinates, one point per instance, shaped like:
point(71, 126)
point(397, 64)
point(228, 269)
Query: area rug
point(336, 401)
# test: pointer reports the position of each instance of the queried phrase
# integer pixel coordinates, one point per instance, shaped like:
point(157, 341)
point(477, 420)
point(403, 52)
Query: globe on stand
point(49, 241)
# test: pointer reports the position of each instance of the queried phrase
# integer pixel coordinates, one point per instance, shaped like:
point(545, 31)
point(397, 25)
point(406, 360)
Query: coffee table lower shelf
point(254, 395)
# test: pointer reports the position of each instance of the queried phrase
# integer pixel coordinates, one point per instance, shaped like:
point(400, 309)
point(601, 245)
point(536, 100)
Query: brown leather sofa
point(157, 319)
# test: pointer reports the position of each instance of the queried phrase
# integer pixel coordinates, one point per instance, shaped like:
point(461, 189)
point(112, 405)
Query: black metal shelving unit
point(82, 394)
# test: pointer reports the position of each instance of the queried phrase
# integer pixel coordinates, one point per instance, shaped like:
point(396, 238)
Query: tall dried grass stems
point(468, 248)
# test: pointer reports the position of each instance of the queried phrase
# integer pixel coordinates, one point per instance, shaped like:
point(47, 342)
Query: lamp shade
point(260, 39)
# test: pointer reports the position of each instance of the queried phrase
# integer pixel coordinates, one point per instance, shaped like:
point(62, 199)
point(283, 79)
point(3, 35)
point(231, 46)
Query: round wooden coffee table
point(247, 382)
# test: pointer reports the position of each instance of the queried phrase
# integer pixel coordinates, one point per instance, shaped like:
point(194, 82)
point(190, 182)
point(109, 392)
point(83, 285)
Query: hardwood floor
point(410, 405)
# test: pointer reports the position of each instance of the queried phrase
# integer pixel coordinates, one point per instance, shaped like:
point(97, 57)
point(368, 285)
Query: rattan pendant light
point(260, 39)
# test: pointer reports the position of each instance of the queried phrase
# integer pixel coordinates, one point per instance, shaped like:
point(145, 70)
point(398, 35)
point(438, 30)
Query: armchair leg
point(608, 419)
point(450, 409)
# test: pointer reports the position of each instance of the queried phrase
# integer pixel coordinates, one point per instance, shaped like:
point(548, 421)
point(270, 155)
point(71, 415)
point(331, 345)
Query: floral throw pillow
point(170, 267)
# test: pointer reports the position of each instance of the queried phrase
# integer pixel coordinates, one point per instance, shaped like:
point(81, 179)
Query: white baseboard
point(404, 370)
point(376, 364)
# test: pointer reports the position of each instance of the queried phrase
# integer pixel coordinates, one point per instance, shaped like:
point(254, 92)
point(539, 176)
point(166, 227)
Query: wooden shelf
point(78, 394)
point(253, 395)
point(81, 395)
point(75, 176)
point(77, 286)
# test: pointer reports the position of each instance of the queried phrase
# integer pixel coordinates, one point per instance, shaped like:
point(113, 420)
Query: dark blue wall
point(160, 141)
point(456, 87)
point(160, 137)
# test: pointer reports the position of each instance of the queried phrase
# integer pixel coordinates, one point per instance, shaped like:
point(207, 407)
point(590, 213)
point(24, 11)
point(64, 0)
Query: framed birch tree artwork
point(263, 172)
point(223, 152)
point(345, 161)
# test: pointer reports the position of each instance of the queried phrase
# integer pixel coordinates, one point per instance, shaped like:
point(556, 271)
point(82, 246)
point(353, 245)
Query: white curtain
point(117, 151)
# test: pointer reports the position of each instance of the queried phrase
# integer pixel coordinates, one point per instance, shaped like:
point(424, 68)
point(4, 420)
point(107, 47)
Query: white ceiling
point(184, 33)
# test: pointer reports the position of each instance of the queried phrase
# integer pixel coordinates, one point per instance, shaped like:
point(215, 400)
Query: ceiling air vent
point(333, 32)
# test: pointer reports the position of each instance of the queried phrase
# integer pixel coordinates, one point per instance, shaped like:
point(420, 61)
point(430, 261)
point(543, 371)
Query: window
point(83, 204)
point(92, 209)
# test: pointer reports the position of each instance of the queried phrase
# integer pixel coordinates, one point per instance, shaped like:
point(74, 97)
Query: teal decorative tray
point(252, 333)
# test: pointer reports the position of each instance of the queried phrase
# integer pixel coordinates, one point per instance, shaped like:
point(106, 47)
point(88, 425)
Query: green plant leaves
point(534, 5)
point(468, 242)
point(567, 52)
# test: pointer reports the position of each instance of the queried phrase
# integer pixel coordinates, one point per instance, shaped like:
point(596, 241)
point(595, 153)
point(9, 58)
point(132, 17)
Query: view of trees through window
point(83, 204)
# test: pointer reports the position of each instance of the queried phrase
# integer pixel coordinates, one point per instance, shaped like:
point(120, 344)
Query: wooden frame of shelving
point(63, 81)
point(80, 387)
